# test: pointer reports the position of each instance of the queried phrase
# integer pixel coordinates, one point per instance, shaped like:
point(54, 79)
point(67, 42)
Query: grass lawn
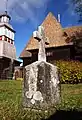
point(10, 100)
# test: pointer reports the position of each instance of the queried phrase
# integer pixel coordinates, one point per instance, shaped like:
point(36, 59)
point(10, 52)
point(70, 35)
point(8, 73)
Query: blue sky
point(28, 14)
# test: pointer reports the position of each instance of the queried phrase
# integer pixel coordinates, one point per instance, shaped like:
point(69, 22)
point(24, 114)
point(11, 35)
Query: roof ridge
point(72, 27)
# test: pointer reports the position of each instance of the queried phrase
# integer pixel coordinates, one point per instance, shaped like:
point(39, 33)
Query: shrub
point(70, 71)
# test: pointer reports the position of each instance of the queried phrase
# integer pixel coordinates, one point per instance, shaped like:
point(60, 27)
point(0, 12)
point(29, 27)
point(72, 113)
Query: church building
point(64, 43)
point(7, 48)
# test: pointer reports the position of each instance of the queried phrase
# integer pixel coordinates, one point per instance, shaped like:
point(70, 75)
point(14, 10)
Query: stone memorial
point(41, 88)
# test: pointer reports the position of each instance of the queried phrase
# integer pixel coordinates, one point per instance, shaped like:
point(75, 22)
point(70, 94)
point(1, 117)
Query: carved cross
point(42, 39)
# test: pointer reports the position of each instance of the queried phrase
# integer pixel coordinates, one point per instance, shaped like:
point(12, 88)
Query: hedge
point(70, 71)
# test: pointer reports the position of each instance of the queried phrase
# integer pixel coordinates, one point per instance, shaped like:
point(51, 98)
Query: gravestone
point(41, 88)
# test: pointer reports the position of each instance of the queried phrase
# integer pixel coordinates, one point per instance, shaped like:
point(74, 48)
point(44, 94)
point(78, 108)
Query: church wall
point(1, 48)
point(58, 54)
point(27, 61)
point(62, 53)
point(4, 63)
point(9, 50)
point(7, 67)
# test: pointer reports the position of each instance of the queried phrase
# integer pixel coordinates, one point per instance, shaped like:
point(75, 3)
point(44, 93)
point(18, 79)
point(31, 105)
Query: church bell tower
point(7, 33)
point(7, 47)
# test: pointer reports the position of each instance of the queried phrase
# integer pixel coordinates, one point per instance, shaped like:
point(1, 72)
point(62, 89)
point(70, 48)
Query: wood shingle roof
point(75, 31)
point(25, 53)
point(54, 32)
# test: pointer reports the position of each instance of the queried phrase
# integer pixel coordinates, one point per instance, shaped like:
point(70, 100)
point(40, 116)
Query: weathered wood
point(7, 50)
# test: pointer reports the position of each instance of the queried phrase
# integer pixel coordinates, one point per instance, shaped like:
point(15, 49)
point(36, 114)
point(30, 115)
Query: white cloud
point(22, 10)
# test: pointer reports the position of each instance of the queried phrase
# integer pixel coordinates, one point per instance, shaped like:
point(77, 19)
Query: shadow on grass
point(66, 115)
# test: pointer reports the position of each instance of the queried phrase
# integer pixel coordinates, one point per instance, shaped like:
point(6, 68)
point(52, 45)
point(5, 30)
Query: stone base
point(41, 88)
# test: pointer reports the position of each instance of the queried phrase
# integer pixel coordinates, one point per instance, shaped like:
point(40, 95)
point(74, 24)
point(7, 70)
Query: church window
point(0, 37)
point(11, 42)
point(12, 35)
point(5, 31)
point(9, 33)
point(5, 38)
point(2, 19)
point(49, 53)
point(8, 40)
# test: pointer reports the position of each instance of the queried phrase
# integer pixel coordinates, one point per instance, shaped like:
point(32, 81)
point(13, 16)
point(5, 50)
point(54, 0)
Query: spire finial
point(6, 2)
point(59, 19)
point(6, 12)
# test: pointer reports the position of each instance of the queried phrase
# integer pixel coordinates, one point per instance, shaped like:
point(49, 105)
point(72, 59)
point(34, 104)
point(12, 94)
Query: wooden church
point(64, 43)
point(7, 48)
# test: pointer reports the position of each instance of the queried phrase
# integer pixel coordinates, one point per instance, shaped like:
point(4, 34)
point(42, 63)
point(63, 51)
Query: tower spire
point(59, 18)
point(4, 17)
point(6, 5)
